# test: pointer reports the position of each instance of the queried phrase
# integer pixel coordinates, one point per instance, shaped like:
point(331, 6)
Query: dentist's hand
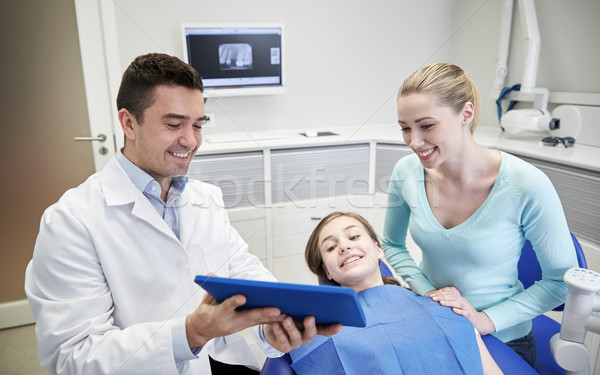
point(213, 319)
point(451, 297)
point(285, 335)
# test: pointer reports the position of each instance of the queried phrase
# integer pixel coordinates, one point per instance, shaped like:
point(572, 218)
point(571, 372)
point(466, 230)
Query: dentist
point(111, 280)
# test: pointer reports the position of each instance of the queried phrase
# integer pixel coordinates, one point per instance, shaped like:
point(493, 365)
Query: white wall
point(345, 60)
point(569, 52)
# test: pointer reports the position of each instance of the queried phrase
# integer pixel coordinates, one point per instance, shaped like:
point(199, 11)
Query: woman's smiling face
point(350, 255)
point(431, 130)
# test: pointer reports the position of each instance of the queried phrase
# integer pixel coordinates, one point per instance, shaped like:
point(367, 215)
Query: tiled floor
point(18, 352)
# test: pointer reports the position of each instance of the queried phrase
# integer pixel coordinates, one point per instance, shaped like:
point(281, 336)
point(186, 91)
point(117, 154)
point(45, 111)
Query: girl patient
point(405, 333)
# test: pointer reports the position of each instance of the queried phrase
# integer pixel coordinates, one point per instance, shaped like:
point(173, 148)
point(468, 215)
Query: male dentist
point(111, 280)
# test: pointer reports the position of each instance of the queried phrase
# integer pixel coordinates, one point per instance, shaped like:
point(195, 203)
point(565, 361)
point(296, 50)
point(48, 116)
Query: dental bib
point(405, 334)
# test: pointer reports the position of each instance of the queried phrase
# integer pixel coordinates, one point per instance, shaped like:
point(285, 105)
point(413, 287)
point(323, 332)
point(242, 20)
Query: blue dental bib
point(405, 334)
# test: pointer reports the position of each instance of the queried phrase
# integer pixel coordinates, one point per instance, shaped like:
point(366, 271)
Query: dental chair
point(544, 327)
point(506, 358)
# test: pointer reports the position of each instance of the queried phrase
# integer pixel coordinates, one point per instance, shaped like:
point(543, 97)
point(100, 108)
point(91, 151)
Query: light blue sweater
point(480, 256)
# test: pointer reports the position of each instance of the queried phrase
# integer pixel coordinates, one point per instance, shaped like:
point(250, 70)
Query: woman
point(405, 333)
point(470, 210)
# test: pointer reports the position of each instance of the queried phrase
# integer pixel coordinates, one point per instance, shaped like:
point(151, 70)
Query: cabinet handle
point(315, 218)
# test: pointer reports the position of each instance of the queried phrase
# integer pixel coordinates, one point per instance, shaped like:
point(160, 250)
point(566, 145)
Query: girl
point(405, 333)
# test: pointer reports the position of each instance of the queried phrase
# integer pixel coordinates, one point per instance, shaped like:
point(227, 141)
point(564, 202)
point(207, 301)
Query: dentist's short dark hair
point(145, 73)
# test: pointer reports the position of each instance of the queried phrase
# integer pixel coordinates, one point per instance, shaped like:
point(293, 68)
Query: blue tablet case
point(328, 304)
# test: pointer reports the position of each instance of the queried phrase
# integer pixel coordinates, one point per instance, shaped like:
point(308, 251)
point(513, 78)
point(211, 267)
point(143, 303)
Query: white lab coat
point(108, 277)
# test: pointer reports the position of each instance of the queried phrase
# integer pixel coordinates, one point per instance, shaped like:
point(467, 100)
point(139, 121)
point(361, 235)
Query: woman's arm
point(395, 231)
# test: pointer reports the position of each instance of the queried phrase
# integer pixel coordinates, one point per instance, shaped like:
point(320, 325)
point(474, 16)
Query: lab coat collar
point(117, 187)
point(119, 191)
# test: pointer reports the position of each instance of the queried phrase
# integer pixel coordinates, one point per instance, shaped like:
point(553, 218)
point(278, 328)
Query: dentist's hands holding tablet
point(285, 335)
point(215, 319)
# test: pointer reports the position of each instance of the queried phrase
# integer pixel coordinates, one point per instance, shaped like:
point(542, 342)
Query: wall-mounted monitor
point(244, 59)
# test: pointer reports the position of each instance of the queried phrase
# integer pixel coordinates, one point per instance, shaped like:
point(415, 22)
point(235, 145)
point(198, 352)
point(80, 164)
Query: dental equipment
point(568, 347)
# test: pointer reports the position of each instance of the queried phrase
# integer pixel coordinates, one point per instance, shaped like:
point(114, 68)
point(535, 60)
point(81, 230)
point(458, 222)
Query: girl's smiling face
point(350, 255)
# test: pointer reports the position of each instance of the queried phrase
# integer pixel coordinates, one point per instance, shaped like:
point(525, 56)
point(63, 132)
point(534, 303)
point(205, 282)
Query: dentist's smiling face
point(164, 144)
point(350, 256)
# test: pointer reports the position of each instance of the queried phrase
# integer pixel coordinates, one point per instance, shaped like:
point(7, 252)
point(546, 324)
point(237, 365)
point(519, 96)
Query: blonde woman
point(470, 209)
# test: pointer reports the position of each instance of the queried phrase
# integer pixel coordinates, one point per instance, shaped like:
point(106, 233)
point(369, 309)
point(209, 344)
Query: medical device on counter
point(521, 120)
point(568, 346)
point(531, 119)
point(565, 121)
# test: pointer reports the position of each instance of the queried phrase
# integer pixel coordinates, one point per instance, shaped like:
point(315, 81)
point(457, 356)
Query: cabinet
point(386, 157)
point(310, 173)
point(579, 192)
point(252, 224)
point(292, 224)
point(241, 177)
point(307, 184)
point(276, 196)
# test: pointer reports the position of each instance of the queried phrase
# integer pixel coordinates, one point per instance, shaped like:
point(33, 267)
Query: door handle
point(99, 138)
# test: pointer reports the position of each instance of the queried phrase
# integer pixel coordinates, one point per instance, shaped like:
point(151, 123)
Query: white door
point(102, 76)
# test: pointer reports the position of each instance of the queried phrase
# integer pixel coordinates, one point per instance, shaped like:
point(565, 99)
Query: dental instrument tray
point(328, 304)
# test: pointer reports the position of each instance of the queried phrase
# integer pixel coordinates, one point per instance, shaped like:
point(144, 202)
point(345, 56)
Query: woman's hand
point(451, 297)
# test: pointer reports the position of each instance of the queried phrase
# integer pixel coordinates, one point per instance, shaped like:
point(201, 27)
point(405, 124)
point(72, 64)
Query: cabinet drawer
point(303, 216)
point(240, 176)
point(579, 192)
point(298, 218)
point(258, 247)
point(290, 244)
point(292, 223)
point(317, 172)
point(386, 157)
point(293, 269)
point(251, 223)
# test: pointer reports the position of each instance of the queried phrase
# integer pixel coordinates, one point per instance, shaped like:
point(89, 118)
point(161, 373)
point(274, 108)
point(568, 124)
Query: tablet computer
point(328, 304)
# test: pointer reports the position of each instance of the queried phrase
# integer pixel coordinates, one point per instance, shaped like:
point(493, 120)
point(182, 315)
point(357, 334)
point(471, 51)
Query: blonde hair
point(312, 253)
point(448, 83)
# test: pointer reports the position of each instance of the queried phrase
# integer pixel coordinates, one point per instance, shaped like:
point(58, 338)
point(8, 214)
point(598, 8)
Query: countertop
point(582, 156)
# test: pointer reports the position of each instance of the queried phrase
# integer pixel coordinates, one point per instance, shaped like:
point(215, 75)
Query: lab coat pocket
point(217, 258)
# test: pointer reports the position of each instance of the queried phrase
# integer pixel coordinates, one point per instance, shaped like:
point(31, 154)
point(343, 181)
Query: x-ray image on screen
point(235, 56)
point(244, 59)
